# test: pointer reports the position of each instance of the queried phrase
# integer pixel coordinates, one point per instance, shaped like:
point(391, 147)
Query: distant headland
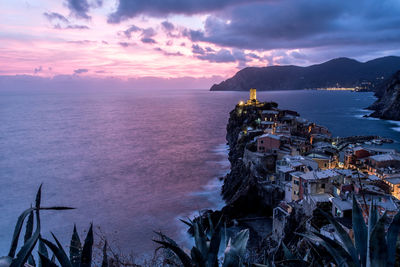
point(337, 73)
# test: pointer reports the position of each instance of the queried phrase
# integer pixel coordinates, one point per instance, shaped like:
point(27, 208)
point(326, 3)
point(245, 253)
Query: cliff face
point(241, 191)
point(342, 72)
point(388, 105)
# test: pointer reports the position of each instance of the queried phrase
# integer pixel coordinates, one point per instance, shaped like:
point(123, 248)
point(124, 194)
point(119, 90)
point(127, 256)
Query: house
point(320, 130)
point(268, 125)
point(314, 201)
point(394, 183)
point(313, 183)
point(297, 186)
point(268, 143)
point(342, 207)
point(375, 164)
point(319, 182)
point(324, 161)
point(269, 115)
point(353, 157)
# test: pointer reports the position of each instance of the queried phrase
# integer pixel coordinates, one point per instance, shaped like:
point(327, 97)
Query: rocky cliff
point(339, 72)
point(388, 105)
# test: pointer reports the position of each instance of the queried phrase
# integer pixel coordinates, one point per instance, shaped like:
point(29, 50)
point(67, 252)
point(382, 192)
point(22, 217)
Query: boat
point(377, 142)
point(368, 143)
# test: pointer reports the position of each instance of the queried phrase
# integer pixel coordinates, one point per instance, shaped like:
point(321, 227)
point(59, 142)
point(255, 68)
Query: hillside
point(339, 72)
point(388, 105)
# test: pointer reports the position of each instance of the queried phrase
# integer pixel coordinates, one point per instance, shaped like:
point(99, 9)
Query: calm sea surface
point(134, 161)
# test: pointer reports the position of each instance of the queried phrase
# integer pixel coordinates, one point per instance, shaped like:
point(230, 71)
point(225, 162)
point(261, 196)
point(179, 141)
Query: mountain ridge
point(337, 72)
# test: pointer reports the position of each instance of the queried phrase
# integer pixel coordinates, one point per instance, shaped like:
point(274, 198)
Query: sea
point(136, 161)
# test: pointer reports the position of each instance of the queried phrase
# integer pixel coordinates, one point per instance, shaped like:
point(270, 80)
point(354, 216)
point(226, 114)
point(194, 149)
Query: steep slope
point(388, 105)
point(341, 72)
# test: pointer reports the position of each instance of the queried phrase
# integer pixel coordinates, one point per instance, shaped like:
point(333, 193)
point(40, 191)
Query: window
point(296, 182)
point(261, 141)
point(323, 186)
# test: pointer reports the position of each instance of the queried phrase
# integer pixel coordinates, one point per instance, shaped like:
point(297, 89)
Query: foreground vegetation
point(372, 245)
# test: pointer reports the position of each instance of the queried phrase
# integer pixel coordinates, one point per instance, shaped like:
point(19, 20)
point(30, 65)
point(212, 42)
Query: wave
point(361, 116)
point(211, 192)
point(397, 123)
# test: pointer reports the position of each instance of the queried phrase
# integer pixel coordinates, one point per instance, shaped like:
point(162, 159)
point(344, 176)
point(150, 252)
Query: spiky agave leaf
point(211, 225)
point(42, 250)
point(28, 234)
point(45, 262)
point(86, 257)
point(372, 220)
point(29, 227)
point(20, 221)
point(17, 232)
point(212, 254)
point(28, 246)
point(104, 263)
point(339, 254)
point(378, 251)
point(197, 258)
point(75, 249)
point(168, 243)
point(344, 237)
point(392, 235)
point(236, 249)
point(200, 239)
point(58, 252)
point(360, 232)
point(188, 222)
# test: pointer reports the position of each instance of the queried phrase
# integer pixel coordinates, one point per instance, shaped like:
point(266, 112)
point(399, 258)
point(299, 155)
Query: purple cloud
point(167, 26)
point(132, 28)
point(148, 40)
point(79, 71)
point(290, 24)
point(37, 70)
point(79, 8)
point(128, 9)
point(50, 16)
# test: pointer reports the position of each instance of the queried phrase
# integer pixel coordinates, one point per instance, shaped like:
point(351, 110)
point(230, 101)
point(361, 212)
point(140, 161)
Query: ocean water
point(135, 161)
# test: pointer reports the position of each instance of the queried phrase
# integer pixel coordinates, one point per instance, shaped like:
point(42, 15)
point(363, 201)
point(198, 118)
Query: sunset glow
point(170, 40)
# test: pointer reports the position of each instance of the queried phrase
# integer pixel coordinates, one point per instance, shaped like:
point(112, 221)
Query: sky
point(202, 41)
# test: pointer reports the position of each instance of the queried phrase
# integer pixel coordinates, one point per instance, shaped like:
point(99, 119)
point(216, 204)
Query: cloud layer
point(292, 24)
point(128, 9)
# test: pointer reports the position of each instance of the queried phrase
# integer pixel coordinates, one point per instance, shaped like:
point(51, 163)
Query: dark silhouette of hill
point(339, 72)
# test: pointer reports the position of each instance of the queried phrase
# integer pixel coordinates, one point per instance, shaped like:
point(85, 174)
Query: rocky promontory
point(241, 188)
point(388, 105)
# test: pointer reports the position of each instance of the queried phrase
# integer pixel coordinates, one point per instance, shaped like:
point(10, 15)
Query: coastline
point(246, 195)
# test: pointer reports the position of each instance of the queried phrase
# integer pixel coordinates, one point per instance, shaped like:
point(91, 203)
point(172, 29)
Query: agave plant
point(372, 246)
point(207, 246)
point(79, 256)
point(14, 259)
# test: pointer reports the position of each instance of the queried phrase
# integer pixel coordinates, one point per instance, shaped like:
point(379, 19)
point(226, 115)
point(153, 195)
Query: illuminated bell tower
point(253, 94)
point(253, 97)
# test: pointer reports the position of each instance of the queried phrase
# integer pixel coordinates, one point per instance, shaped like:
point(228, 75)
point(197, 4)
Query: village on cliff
point(313, 170)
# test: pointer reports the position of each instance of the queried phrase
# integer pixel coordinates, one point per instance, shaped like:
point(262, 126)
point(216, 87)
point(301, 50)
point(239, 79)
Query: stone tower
point(253, 94)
